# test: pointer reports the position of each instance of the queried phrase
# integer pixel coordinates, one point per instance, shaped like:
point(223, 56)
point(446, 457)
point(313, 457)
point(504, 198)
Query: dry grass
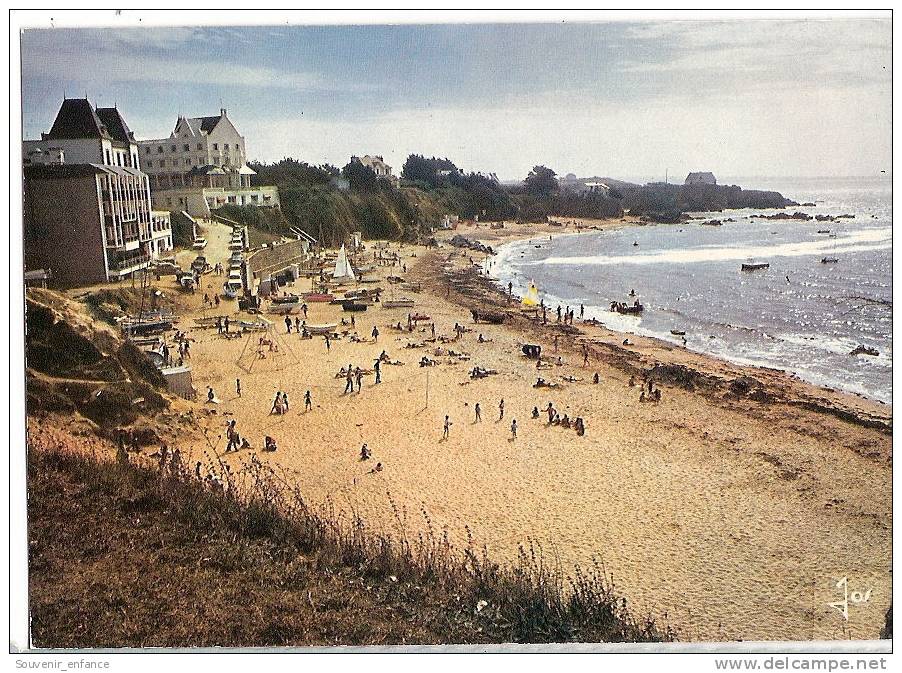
point(122, 555)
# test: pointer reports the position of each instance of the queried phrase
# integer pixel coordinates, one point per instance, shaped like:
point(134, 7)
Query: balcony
point(125, 264)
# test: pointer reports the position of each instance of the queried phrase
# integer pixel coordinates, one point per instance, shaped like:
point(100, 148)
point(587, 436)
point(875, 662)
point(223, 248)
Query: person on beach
point(353, 322)
point(328, 345)
point(285, 401)
point(580, 427)
point(276, 404)
point(304, 309)
point(544, 315)
point(501, 410)
point(226, 325)
point(358, 374)
point(535, 412)
point(555, 342)
point(514, 429)
point(377, 367)
point(216, 299)
point(365, 453)
point(585, 356)
point(551, 412)
point(211, 396)
point(232, 436)
point(219, 325)
point(510, 291)
point(595, 378)
point(297, 325)
point(375, 332)
point(446, 427)
point(308, 402)
point(238, 387)
point(478, 413)
point(433, 330)
point(288, 324)
point(206, 299)
point(582, 311)
point(349, 380)
point(559, 313)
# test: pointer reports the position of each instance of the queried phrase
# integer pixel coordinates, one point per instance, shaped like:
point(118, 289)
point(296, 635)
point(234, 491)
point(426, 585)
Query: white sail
point(343, 270)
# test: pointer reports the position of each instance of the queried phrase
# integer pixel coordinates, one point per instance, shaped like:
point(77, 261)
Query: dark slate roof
point(77, 119)
point(115, 124)
point(208, 123)
point(50, 171)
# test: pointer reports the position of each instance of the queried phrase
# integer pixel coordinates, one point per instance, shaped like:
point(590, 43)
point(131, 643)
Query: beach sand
point(729, 518)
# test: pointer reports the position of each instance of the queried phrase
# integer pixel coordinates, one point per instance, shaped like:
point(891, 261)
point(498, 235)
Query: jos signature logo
point(853, 597)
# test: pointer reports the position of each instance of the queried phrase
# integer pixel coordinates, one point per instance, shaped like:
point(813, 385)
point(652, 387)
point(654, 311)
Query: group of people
point(279, 404)
point(554, 418)
point(653, 395)
point(213, 303)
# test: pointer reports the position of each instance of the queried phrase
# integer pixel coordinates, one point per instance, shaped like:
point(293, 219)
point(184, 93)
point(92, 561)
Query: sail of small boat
point(343, 271)
point(531, 298)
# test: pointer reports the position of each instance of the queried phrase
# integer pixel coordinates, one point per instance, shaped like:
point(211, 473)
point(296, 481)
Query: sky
point(617, 99)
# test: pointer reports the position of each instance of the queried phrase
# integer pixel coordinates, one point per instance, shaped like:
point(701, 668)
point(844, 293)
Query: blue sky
point(621, 99)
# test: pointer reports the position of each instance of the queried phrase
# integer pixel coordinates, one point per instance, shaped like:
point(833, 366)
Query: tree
point(541, 181)
point(362, 178)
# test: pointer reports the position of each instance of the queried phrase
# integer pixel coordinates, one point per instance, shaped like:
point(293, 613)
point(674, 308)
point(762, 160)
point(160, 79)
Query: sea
point(800, 315)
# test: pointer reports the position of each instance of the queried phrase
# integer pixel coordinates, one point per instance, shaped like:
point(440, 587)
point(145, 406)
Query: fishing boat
point(145, 326)
point(318, 297)
point(678, 332)
point(353, 306)
point(321, 329)
point(287, 299)
point(403, 302)
point(411, 287)
point(627, 309)
point(343, 273)
point(755, 267)
point(829, 260)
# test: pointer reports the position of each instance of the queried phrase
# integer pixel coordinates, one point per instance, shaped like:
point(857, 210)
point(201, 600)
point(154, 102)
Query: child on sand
point(446, 428)
point(514, 429)
point(308, 403)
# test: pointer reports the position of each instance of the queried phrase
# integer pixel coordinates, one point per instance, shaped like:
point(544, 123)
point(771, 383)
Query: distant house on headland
point(701, 179)
point(377, 165)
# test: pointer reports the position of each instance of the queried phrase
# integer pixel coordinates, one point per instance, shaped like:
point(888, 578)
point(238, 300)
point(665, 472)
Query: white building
point(378, 166)
point(202, 166)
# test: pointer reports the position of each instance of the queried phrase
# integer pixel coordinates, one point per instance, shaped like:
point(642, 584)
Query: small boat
point(289, 299)
point(755, 267)
point(398, 303)
point(353, 306)
point(823, 231)
point(829, 260)
point(315, 297)
point(864, 350)
point(627, 309)
point(411, 287)
point(321, 329)
point(417, 317)
point(678, 332)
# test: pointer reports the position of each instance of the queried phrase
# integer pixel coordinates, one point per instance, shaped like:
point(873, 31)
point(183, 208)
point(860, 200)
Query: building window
point(186, 147)
point(107, 155)
point(200, 146)
point(173, 148)
point(236, 146)
point(159, 149)
point(188, 162)
point(148, 149)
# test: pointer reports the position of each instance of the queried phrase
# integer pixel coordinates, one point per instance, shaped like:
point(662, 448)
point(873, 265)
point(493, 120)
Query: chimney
point(222, 111)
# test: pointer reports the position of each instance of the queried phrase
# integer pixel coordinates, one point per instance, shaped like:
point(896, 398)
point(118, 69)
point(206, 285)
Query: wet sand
point(734, 518)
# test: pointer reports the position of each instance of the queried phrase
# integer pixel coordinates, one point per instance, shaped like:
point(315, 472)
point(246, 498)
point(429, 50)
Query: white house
point(201, 166)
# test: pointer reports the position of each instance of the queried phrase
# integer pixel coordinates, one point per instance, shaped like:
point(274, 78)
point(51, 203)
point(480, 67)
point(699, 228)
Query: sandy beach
point(731, 517)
